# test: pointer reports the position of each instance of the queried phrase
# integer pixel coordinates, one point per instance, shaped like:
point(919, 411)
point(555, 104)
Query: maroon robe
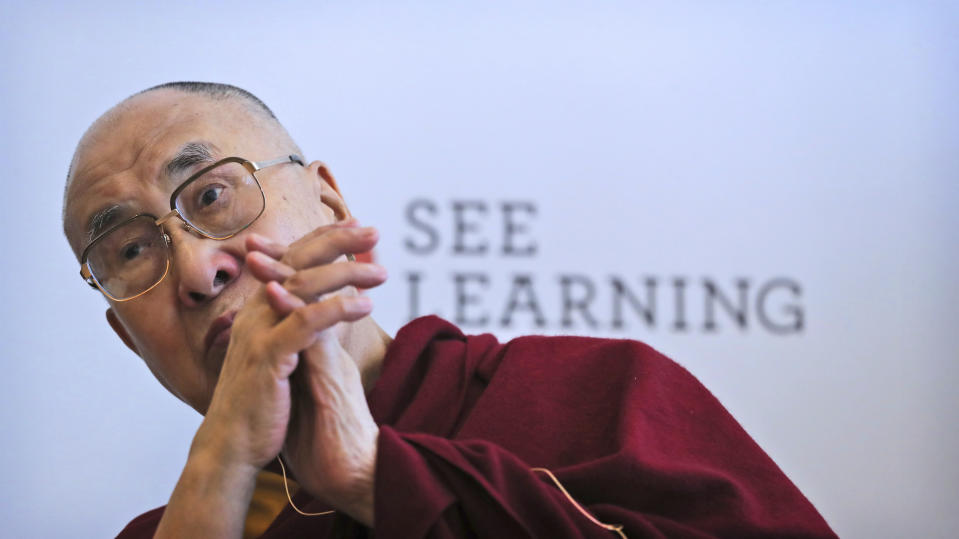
point(632, 436)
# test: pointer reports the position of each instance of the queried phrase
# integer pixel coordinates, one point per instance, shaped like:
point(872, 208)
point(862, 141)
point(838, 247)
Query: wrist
point(215, 450)
point(356, 498)
point(212, 496)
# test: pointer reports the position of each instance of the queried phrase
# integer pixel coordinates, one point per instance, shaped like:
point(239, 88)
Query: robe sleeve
point(673, 463)
point(428, 486)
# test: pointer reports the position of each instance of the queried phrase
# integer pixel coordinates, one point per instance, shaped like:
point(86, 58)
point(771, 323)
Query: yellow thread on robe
point(617, 528)
point(290, 498)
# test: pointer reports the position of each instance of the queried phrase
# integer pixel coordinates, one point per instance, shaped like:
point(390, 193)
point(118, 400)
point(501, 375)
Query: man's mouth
point(219, 333)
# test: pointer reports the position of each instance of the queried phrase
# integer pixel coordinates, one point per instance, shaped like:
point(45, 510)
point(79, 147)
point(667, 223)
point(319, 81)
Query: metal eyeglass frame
point(251, 166)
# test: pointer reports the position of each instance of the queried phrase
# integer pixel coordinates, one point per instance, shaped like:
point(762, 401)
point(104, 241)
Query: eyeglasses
point(130, 258)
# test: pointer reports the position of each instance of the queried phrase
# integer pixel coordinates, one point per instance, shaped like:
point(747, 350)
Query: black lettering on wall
point(794, 313)
point(621, 292)
point(512, 228)
point(679, 288)
point(581, 300)
point(484, 288)
point(416, 219)
point(713, 296)
point(522, 287)
point(413, 279)
point(464, 298)
point(462, 227)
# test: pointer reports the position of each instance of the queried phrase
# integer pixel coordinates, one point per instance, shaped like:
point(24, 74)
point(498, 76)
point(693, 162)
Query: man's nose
point(203, 267)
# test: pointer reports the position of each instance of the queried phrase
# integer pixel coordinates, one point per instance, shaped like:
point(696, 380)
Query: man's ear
point(330, 195)
point(120, 330)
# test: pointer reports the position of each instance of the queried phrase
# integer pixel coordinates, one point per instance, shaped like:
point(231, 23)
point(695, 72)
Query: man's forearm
point(210, 499)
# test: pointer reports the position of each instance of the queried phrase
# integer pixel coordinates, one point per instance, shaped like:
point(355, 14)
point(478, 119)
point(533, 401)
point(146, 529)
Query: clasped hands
point(318, 416)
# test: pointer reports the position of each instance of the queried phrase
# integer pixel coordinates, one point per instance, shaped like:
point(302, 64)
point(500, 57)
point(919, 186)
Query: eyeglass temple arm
point(292, 158)
point(87, 276)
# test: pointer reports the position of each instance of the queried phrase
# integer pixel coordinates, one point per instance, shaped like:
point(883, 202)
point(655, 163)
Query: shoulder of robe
point(144, 525)
point(565, 355)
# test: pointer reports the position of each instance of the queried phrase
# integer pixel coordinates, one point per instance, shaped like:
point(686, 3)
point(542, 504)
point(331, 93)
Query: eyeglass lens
point(129, 259)
point(222, 201)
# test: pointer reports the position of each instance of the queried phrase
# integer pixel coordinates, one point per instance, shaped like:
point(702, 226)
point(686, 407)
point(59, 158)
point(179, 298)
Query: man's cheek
point(287, 222)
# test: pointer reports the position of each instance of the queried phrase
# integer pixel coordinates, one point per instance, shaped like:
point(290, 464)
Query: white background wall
point(806, 140)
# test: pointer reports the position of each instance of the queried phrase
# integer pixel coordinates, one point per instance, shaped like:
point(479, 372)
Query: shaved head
point(216, 90)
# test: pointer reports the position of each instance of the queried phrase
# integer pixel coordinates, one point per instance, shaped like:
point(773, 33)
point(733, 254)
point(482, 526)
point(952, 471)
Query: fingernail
point(259, 256)
point(262, 240)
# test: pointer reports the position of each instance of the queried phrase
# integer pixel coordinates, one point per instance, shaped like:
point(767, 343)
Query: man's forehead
point(143, 139)
point(153, 126)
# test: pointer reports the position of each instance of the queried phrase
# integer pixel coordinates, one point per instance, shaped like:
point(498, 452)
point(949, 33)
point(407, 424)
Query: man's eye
point(131, 251)
point(210, 195)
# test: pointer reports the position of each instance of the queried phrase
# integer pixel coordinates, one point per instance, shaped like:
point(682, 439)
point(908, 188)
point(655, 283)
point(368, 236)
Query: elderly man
point(226, 260)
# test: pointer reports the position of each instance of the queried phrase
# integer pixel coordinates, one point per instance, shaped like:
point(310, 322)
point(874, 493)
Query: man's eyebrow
point(101, 220)
point(189, 155)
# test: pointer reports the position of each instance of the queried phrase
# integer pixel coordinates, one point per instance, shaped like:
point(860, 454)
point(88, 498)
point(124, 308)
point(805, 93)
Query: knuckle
point(302, 316)
point(297, 244)
point(294, 283)
point(340, 305)
point(259, 347)
point(291, 258)
point(345, 236)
